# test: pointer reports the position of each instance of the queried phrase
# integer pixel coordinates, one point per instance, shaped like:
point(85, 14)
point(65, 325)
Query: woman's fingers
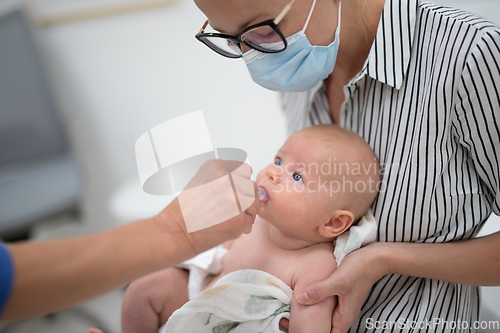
point(344, 316)
point(317, 292)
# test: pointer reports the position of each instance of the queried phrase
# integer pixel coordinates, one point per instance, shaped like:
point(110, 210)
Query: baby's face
point(297, 202)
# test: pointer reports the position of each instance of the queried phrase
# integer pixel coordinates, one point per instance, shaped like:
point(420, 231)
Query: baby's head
point(323, 179)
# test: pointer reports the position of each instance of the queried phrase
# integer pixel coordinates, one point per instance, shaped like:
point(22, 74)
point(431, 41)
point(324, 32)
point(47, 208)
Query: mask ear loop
point(308, 17)
point(337, 31)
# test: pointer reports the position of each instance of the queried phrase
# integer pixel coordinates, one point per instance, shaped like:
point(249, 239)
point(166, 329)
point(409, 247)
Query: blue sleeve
point(6, 276)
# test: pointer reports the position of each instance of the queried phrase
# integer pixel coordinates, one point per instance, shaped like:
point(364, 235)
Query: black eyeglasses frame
point(238, 40)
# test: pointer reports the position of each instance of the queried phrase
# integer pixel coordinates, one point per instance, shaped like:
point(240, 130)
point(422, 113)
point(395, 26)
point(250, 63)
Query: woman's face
point(233, 16)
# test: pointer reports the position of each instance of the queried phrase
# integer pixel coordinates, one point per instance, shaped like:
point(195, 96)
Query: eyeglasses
point(265, 37)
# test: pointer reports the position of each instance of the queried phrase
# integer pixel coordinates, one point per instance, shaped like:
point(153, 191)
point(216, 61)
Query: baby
point(323, 179)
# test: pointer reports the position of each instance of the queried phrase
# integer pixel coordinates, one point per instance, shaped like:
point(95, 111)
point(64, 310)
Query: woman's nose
point(274, 175)
point(244, 48)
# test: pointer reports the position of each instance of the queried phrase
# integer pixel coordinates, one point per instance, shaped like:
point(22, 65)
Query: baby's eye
point(278, 161)
point(297, 177)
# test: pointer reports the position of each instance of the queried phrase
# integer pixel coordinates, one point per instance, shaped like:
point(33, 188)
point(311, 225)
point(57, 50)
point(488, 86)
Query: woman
point(420, 82)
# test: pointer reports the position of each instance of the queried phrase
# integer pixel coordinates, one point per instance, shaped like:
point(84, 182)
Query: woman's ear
point(340, 221)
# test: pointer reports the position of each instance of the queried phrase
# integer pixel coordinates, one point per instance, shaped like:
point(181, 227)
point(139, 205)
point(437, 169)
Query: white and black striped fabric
point(428, 102)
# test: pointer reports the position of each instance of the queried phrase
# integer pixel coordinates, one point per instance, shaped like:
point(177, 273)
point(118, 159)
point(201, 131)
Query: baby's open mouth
point(263, 196)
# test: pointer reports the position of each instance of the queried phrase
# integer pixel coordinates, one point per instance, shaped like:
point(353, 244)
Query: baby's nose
point(273, 174)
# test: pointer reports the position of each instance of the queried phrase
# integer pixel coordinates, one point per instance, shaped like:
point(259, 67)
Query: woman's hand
point(351, 283)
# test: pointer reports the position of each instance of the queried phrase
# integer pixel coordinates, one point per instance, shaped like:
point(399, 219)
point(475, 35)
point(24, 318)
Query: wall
point(119, 76)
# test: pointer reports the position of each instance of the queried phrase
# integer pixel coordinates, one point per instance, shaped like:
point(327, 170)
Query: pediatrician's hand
point(86, 266)
point(210, 198)
point(351, 282)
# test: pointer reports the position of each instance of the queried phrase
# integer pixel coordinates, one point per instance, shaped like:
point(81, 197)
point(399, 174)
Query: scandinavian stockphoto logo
point(177, 158)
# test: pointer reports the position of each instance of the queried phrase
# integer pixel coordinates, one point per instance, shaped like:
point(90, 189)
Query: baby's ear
point(340, 221)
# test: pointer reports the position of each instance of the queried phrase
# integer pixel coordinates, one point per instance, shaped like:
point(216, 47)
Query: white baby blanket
point(364, 232)
point(245, 301)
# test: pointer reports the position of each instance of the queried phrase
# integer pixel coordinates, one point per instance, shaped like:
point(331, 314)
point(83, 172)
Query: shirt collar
point(390, 52)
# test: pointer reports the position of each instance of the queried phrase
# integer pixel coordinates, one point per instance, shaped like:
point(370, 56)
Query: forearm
point(473, 262)
point(53, 275)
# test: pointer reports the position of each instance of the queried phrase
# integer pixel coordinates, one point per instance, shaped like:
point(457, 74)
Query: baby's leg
point(149, 301)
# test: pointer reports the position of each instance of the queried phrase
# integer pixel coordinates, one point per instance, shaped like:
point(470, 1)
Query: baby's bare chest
point(252, 253)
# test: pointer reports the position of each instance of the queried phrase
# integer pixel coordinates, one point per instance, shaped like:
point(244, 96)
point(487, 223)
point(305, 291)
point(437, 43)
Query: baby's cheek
point(263, 213)
point(260, 176)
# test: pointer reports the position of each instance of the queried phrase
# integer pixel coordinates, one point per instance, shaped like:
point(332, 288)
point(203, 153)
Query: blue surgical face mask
point(299, 67)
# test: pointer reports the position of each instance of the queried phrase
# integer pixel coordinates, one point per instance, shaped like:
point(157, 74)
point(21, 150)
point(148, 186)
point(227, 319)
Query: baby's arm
point(318, 317)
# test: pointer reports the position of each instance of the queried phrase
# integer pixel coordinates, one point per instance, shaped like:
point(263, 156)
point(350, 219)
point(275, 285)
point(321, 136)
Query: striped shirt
point(428, 103)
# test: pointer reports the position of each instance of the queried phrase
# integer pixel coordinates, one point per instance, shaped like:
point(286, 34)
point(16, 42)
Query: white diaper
point(202, 266)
